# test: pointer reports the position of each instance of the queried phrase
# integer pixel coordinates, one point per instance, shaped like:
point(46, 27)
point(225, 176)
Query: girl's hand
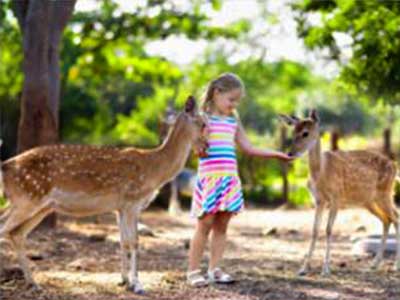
point(200, 148)
point(285, 157)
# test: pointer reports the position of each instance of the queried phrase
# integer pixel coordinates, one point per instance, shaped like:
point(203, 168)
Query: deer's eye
point(305, 134)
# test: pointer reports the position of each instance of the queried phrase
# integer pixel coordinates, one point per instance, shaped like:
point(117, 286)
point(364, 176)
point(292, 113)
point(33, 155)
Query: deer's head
point(305, 134)
point(192, 120)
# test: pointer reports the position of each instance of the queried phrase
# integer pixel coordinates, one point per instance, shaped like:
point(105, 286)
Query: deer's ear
point(314, 115)
point(289, 120)
point(190, 105)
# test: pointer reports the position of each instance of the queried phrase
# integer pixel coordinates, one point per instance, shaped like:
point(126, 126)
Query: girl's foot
point(195, 279)
point(218, 276)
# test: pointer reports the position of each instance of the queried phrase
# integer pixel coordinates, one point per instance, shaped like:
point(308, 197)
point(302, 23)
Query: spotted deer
point(81, 180)
point(342, 178)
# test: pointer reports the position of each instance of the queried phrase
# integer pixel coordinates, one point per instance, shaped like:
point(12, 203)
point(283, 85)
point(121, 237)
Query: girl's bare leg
point(198, 242)
point(218, 238)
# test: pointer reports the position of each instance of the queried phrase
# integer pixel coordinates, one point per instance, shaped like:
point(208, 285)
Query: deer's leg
point(3, 237)
point(124, 244)
point(17, 237)
point(379, 254)
point(317, 221)
point(383, 213)
point(329, 226)
point(394, 218)
point(397, 227)
point(3, 241)
point(174, 207)
point(132, 216)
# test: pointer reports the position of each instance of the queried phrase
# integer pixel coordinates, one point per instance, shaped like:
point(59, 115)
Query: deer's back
point(356, 176)
point(86, 169)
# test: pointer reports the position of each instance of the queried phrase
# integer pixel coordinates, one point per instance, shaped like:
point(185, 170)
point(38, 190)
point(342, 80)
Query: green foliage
point(107, 73)
point(373, 29)
point(141, 127)
point(10, 80)
point(348, 116)
point(2, 12)
point(3, 202)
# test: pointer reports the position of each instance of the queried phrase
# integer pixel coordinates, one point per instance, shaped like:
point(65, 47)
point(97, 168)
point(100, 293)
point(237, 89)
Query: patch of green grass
point(300, 197)
point(3, 202)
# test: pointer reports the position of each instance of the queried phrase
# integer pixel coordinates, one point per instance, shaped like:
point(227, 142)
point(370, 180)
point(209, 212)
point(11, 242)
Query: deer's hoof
point(325, 272)
point(33, 286)
point(302, 272)
point(137, 289)
point(375, 264)
point(373, 267)
point(123, 282)
point(396, 267)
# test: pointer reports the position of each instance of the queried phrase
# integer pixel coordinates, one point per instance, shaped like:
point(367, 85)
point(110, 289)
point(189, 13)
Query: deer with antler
point(341, 178)
point(82, 180)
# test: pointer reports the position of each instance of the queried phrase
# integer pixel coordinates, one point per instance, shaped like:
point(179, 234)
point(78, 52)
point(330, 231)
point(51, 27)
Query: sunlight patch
point(80, 282)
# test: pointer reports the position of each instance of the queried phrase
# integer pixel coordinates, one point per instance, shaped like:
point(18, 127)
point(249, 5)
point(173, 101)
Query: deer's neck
point(314, 159)
point(171, 156)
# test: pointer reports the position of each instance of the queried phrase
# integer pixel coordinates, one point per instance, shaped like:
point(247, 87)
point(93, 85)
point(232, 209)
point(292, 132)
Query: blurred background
point(124, 65)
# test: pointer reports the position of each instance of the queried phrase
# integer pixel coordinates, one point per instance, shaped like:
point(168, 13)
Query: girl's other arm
point(244, 143)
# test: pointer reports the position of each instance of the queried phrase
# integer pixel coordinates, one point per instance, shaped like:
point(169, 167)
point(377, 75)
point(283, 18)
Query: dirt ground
point(80, 260)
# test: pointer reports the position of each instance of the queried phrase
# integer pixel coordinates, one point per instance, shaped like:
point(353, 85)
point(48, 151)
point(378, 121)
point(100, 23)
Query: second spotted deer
point(342, 178)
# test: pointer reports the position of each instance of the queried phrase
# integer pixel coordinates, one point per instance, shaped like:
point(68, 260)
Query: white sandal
point(195, 279)
point(218, 276)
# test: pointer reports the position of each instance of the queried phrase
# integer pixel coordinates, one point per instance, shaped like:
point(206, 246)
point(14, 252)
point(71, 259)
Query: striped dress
point(218, 186)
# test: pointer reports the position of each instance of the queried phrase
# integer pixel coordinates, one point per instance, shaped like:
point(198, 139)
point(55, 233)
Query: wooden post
point(284, 166)
point(387, 143)
point(335, 140)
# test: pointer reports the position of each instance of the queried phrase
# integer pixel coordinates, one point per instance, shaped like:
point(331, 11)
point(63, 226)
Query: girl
point(218, 193)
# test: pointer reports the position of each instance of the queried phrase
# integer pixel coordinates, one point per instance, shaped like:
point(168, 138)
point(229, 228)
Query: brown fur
point(340, 179)
point(85, 180)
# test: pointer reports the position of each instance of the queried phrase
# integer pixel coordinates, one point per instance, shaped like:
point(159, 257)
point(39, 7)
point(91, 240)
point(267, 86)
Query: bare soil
point(80, 260)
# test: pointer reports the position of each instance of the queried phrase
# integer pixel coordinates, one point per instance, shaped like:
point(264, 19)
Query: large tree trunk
point(37, 125)
point(42, 23)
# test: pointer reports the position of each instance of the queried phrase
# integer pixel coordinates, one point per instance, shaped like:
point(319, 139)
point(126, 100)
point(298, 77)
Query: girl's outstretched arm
point(244, 143)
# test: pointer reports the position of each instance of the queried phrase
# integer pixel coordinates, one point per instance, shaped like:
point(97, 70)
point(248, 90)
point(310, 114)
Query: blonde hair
point(223, 83)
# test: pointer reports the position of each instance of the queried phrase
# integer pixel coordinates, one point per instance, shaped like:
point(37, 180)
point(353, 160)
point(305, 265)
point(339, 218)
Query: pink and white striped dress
point(218, 186)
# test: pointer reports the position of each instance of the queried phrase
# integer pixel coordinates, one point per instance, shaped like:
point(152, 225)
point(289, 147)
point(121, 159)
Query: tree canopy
point(370, 30)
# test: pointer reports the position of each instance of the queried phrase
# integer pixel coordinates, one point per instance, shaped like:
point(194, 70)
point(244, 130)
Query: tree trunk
point(42, 23)
point(37, 125)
